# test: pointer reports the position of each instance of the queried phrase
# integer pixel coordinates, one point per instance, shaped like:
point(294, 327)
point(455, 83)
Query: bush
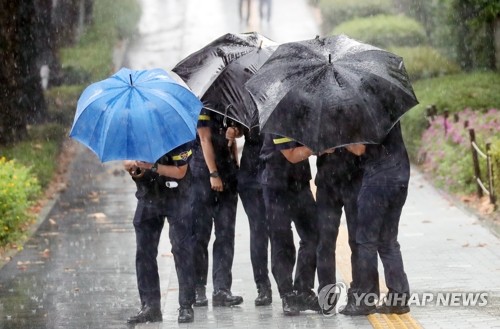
point(18, 189)
point(478, 91)
point(384, 31)
point(61, 102)
point(335, 12)
point(425, 62)
point(446, 153)
point(93, 56)
point(495, 163)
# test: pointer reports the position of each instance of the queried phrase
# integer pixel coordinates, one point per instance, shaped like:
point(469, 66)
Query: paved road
point(78, 269)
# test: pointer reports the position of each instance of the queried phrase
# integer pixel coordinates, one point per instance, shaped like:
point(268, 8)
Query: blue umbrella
point(135, 115)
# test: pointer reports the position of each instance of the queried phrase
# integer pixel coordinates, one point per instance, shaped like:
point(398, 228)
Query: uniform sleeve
point(204, 119)
point(180, 155)
point(283, 143)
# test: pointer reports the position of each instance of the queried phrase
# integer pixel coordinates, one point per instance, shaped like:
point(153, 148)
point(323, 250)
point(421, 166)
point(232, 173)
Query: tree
point(22, 100)
point(475, 37)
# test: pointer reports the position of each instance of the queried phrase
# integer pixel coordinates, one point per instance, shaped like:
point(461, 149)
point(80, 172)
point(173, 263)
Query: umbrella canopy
point(217, 73)
point(329, 92)
point(135, 115)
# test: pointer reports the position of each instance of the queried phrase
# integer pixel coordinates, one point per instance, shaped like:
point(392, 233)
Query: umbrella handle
point(136, 172)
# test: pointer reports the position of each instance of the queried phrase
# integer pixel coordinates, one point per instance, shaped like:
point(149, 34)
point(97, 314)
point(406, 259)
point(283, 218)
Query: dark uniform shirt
point(387, 164)
point(226, 164)
point(152, 187)
point(251, 163)
point(339, 166)
point(279, 173)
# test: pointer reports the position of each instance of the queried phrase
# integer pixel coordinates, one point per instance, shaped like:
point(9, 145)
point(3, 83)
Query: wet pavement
point(77, 271)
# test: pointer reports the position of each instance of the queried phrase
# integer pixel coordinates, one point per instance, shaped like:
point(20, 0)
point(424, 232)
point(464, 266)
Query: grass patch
point(478, 91)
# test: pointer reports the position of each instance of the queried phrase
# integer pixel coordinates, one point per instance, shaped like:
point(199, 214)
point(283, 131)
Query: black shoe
point(361, 309)
point(147, 314)
point(225, 298)
point(289, 302)
point(307, 300)
point(201, 297)
point(265, 296)
point(393, 309)
point(186, 314)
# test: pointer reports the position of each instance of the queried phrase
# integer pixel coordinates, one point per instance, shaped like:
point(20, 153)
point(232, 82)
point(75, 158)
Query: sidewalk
point(78, 270)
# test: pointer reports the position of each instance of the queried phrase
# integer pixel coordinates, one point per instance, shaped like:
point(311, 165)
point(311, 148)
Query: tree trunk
point(464, 51)
point(66, 21)
point(22, 97)
point(45, 41)
point(496, 28)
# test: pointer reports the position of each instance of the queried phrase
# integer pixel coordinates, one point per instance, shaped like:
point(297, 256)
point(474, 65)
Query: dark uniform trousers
point(283, 207)
point(253, 202)
point(149, 220)
point(378, 232)
point(330, 198)
point(211, 208)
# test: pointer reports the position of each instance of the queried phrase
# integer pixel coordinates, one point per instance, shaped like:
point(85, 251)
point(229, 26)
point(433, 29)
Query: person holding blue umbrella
point(148, 119)
point(162, 192)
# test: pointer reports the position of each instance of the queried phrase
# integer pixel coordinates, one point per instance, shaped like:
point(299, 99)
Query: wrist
point(214, 174)
point(154, 167)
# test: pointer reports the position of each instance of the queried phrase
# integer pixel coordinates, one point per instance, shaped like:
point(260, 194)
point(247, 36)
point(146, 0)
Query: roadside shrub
point(335, 12)
point(61, 102)
point(495, 162)
point(93, 56)
point(476, 90)
point(384, 31)
point(446, 153)
point(18, 189)
point(425, 62)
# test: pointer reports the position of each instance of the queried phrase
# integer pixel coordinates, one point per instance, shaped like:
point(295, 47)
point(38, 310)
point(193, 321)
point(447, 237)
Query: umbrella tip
point(130, 77)
point(330, 58)
point(261, 42)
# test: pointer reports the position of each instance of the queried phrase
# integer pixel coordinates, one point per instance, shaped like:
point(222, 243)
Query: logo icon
point(332, 297)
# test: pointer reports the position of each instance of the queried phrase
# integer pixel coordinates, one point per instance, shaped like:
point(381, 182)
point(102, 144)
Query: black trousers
point(379, 211)
point(330, 199)
point(149, 220)
point(284, 207)
point(253, 203)
point(217, 209)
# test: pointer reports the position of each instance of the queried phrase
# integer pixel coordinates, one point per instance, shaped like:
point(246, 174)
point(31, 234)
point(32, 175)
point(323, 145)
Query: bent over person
point(380, 202)
point(162, 191)
point(288, 198)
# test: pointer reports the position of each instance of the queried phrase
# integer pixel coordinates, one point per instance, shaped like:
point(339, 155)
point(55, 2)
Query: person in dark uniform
point(250, 192)
point(162, 191)
point(288, 198)
point(213, 200)
point(338, 180)
point(380, 201)
point(265, 10)
point(245, 12)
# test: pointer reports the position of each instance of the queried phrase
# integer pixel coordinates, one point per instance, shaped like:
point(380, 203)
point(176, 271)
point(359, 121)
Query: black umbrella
point(329, 92)
point(217, 73)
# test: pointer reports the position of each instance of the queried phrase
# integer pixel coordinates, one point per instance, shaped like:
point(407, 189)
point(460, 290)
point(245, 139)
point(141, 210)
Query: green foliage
point(39, 155)
point(425, 62)
point(473, 33)
point(93, 56)
point(478, 91)
point(335, 12)
point(18, 189)
point(384, 31)
point(61, 103)
point(446, 152)
point(495, 163)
